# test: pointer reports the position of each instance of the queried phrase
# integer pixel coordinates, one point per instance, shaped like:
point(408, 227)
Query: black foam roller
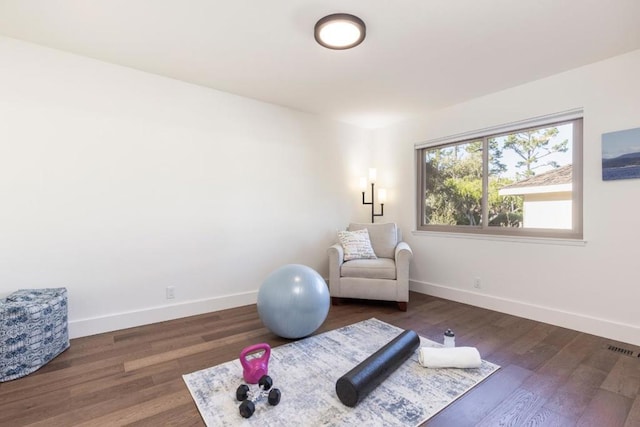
point(356, 384)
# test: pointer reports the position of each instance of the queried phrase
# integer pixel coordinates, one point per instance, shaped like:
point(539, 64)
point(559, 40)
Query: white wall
point(592, 287)
point(116, 184)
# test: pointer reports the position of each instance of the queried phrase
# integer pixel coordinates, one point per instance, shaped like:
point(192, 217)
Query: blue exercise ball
point(293, 301)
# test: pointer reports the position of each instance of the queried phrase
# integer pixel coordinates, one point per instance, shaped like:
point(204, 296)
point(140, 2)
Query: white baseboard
point(117, 321)
point(580, 322)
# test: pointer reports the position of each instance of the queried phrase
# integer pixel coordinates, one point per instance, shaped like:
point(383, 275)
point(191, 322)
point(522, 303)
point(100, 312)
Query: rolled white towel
point(454, 357)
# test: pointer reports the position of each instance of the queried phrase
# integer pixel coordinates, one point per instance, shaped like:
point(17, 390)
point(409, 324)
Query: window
point(520, 180)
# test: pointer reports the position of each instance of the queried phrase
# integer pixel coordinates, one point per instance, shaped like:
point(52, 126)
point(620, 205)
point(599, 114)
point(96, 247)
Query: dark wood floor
point(550, 376)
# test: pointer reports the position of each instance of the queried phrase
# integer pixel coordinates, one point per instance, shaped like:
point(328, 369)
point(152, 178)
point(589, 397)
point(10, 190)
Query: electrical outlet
point(476, 283)
point(171, 292)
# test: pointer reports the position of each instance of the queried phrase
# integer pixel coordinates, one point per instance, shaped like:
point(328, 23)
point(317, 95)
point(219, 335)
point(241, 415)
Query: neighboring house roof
point(554, 181)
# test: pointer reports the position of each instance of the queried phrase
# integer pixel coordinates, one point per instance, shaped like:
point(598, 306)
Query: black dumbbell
point(248, 407)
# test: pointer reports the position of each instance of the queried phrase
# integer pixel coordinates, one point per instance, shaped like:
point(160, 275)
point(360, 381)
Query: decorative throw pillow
point(356, 244)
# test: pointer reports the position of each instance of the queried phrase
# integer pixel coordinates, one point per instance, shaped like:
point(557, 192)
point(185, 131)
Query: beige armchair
point(385, 278)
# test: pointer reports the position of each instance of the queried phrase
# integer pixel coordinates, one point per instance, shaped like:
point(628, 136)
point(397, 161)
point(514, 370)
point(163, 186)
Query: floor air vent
point(621, 350)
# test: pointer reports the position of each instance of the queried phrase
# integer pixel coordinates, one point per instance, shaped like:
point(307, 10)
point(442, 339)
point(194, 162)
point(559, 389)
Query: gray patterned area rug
point(306, 372)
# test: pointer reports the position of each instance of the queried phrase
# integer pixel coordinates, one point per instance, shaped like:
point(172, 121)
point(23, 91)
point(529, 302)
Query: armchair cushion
point(381, 268)
point(356, 245)
point(384, 237)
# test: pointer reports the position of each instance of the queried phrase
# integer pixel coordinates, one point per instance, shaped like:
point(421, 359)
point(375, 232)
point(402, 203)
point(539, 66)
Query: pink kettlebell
point(253, 369)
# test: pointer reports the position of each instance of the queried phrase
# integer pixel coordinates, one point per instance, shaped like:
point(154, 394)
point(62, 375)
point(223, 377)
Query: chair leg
point(402, 306)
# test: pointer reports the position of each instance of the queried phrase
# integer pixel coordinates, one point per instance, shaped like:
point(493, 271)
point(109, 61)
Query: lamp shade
point(363, 183)
point(382, 195)
point(340, 31)
point(373, 174)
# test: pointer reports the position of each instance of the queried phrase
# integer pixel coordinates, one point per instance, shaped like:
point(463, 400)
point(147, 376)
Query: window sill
point(512, 239)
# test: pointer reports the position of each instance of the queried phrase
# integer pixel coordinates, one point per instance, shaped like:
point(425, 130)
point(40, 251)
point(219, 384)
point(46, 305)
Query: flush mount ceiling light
point(340, 31)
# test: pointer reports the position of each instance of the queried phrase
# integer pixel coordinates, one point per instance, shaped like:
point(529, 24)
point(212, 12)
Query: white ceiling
point(418, 55)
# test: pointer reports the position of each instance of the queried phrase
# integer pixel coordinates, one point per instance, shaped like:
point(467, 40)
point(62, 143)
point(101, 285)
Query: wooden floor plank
point(548, 418)
point(474, 406)
point(624, 377)
point(521, 406)
point(178, 416)
point(633, 418)
point(572, 397)
point(140, 411)
point(550, 375)
point(606, 409)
